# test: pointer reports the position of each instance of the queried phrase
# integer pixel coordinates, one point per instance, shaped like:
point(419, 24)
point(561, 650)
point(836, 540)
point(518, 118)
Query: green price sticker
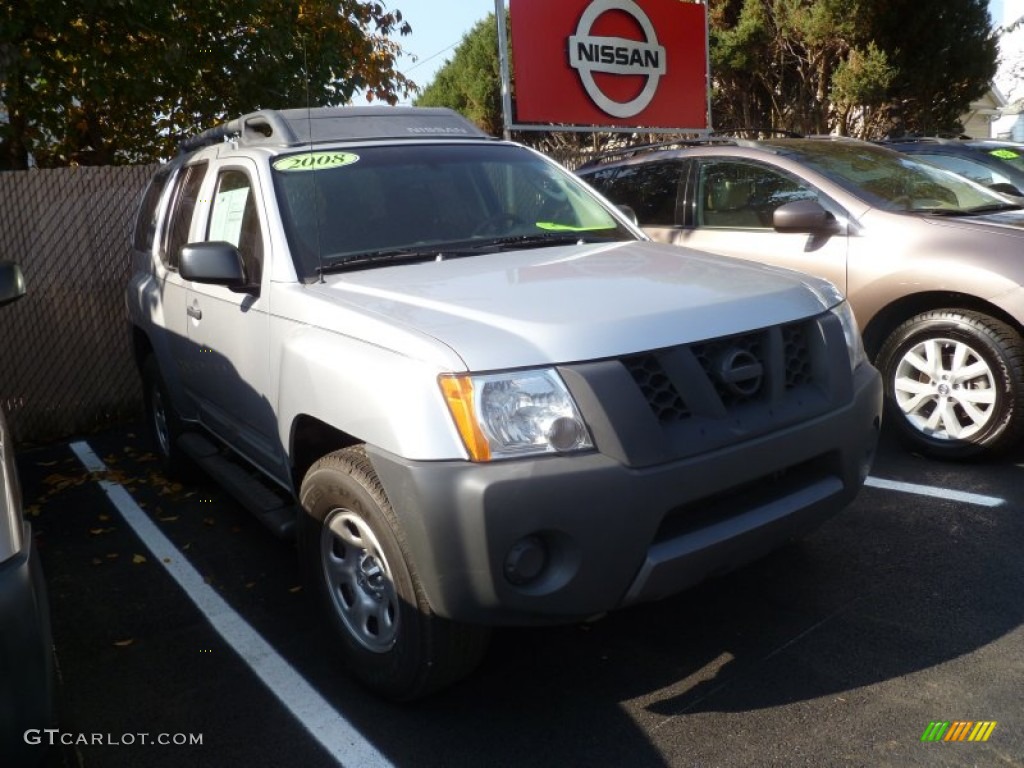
point(1005, 154)
point(314, 161)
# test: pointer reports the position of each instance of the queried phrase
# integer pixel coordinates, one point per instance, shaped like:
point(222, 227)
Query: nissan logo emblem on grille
point(740, 372)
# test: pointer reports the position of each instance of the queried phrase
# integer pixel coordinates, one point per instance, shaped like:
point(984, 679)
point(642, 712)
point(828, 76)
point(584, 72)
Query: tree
point(944, 55)
point(96, 82)
point(772, 61)
point(470, 82)
point(861, 66)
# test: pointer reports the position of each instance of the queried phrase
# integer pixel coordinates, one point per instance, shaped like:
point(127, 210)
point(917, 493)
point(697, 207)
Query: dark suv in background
point(931, 262)
point(997, 164)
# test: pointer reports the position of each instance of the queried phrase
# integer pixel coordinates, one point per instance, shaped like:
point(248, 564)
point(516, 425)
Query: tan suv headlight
point(514, 414)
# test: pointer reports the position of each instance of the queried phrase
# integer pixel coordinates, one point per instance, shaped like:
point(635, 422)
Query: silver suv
point(930, 261)
point(478, 393)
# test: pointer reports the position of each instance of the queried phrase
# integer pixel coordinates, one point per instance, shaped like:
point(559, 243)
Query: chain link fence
point(66, 363)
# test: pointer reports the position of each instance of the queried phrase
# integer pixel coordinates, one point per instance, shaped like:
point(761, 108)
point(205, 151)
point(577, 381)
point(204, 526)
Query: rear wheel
point(954, 383)
point(354, 552)
point(165, 427)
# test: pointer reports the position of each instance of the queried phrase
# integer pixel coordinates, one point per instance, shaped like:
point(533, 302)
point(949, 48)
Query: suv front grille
point(656, 387)
point(798, 356)
point(752, 367)
point(671, 403)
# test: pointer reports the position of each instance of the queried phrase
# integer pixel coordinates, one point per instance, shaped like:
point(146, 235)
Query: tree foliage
point(854, 67)
point(470, 82)
point(866, 67)
point(97, 82)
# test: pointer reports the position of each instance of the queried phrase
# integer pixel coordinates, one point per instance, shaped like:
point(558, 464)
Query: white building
point(1008, 16)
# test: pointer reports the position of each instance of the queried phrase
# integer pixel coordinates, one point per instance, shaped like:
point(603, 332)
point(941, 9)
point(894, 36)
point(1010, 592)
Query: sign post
point(606, 65)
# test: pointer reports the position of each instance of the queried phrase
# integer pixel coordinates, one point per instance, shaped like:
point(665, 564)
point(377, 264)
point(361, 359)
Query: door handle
point(195, 311)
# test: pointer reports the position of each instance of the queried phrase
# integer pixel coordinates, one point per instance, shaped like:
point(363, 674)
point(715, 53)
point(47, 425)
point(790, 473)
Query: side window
point(650, 189)
point(186, 194)
point(234, 219)
point(736, 195)
point(149, 211)
point(601, 180)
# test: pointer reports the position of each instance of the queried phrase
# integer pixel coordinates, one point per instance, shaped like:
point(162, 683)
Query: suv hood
point(566, 304)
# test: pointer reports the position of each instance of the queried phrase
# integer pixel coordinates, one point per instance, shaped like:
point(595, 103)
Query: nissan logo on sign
point(615, 55)
point(615, 63)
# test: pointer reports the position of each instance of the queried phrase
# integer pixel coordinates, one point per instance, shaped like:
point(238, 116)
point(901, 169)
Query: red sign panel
point(623, 63)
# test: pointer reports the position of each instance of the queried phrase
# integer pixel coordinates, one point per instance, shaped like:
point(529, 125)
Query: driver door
point(229, 328)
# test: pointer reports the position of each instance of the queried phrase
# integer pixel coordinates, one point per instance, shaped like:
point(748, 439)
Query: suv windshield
point(377, 203)
point(891, 181)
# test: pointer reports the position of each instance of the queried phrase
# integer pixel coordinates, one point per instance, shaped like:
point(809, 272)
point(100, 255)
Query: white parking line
point(935, 492)
point(335, 734)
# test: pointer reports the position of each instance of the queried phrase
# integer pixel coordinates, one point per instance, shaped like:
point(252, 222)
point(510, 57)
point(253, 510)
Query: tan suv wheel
point(954, 383)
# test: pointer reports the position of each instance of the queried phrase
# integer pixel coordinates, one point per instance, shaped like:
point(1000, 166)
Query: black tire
point(353, 550)
point(954, 383)
point(163, 422)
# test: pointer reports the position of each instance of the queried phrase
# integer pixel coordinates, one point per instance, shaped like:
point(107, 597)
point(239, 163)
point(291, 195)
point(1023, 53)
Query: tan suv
point(931, 262)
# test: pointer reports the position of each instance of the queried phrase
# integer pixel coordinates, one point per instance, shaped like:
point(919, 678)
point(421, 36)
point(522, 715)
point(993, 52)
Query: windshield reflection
point(891, 181)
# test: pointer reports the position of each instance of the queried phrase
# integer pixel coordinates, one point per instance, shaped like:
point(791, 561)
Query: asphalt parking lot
point(838, 650)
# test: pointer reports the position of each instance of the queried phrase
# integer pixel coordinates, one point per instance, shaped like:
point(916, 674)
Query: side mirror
point(12, 282)
point(805, 216)
point(1005, 188)
point(629, 213)
point(217, 263)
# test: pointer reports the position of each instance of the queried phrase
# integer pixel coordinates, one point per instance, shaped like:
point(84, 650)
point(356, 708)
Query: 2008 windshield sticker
point(315, 161)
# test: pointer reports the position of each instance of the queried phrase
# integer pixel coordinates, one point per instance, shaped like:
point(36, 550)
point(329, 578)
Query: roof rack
point(302, 127)
point(911, 138)
point(724, 137)
point(636, 149)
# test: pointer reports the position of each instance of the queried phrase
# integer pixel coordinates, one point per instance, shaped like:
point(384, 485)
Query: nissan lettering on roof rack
point(473, 390)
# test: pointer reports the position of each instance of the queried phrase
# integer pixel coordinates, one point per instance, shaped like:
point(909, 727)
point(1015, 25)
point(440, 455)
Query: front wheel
point(351, 542)
point(954, 383)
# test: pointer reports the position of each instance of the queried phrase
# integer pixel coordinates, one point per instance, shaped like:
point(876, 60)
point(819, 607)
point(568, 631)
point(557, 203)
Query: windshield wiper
point(442, 251)
point(994, 208)
point(954, 212)
point(369, 258)
point(543, 241)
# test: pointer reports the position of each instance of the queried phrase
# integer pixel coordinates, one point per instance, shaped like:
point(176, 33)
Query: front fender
point(374, 394)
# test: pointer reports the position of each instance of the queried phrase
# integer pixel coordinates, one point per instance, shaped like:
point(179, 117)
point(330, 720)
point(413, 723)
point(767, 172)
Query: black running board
point(271, 507)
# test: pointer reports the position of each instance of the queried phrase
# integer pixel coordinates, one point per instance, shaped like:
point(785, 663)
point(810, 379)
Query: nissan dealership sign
point(614, 63)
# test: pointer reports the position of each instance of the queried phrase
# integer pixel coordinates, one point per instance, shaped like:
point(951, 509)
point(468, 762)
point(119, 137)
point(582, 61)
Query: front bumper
point(593, 535)
point(26, 655)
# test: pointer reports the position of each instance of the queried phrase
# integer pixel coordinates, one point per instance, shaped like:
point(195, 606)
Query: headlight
point(10, 498)
point(854, 345)
point(520, 413)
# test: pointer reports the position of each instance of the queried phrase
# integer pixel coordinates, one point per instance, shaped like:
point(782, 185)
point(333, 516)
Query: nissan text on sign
point(611, 63)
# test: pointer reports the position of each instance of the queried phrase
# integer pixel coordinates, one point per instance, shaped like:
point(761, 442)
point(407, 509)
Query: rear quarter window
point(149, 210)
